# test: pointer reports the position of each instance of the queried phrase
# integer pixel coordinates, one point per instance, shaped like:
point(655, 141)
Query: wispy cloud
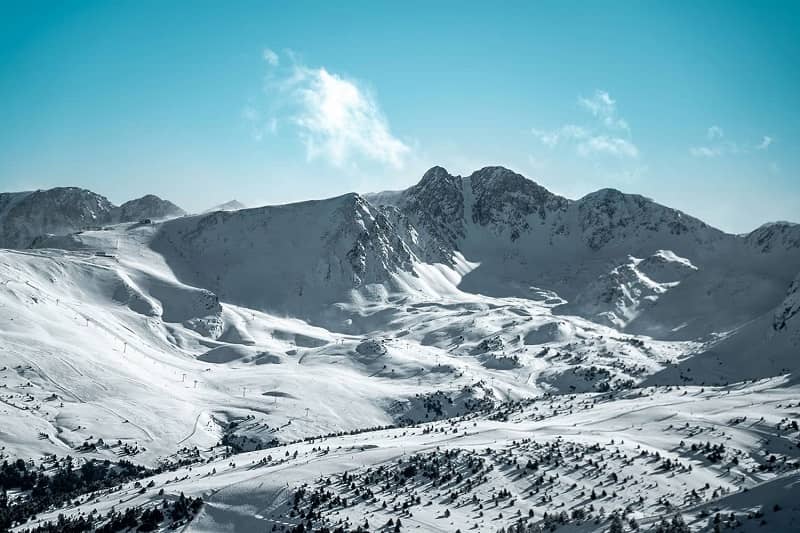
point(609, 136)
point(602, 106)
point(338, 119)
point(714, 133)
point(706, 151)
point(602, 144)
point(718, 145)
point(566, 132)
point(271, 57)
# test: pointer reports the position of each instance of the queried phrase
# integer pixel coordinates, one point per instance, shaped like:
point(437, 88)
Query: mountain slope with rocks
point(26, 216)
point(527, 239)
point(471, 353)
point(148, 206)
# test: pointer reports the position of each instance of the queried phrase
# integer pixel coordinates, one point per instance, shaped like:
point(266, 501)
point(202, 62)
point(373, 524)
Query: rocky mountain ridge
point(615, 258)
point(24, 216)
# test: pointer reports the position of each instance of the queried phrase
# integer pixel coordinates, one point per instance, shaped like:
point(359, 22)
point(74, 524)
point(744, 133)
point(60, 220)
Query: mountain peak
point(435, 172)
point(775, 236)
point(504, 197)
point(231, 205)
point(606, 192)
point(436, 179)
point(148, 206)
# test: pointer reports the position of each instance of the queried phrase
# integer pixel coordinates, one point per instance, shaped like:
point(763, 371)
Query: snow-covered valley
point(470, 353)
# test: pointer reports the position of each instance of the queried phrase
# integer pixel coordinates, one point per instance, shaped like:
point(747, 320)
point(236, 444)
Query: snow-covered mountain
point(148, 206)
point(618, 259)
point(319, 250)
point(27, 215)
point(24, 216)
point(787, 314)
point(469, 353)
point(527, 239)
point(231, 205)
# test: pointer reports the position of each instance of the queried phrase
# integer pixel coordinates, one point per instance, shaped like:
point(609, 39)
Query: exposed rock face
point(616, 258)
point(377, 250)
point(585, 250)
point(507, 200)
point(25, 216)
point(427, 247)
point(371, 347)
point(787, 314)
point(436, 206)
point(511, 206)
point(619, 296)
point(775, 236)
point(611, 217)
point(320, 250)
point(665, 266)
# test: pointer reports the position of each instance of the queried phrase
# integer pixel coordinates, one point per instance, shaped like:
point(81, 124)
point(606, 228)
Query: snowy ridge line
point(483, 322)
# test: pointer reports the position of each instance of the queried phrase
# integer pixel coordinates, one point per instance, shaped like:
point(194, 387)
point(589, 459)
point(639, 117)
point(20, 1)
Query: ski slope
point(550, 454)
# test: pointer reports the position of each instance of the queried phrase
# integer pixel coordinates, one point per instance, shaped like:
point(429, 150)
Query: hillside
point(26, 216)
point(457, 355)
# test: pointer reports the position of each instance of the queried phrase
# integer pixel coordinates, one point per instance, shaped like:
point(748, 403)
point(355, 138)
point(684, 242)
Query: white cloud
point(338, 120)
point(765, 142)
point(602, 106)
point(717, 149)
point(565, 132)
point(705, 151)
point(718, 145)
point(602, 139)
point(271, 57)
point(603, 144)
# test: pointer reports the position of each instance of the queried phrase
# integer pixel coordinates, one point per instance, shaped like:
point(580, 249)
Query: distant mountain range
point(619, 259)
point(536, 342)
point(27, 215)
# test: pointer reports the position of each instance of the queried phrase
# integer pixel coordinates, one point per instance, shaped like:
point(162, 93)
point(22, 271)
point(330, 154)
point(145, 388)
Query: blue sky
point(694, 104)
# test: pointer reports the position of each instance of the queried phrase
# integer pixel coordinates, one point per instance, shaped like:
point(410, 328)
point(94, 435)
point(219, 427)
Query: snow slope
point(570, 461)
point(478, 342)
point(526, 239)
point(231, 205)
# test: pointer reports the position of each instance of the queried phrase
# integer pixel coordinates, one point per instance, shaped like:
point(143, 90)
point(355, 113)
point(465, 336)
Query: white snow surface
point(504, 323)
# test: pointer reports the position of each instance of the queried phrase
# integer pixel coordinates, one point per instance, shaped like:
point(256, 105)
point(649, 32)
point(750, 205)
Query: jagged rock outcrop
point(616, 258)
point(775, 236)
point(293, 257)
point(787, 314)
point(610, 217)
point(510, 202)
point(523, 237)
